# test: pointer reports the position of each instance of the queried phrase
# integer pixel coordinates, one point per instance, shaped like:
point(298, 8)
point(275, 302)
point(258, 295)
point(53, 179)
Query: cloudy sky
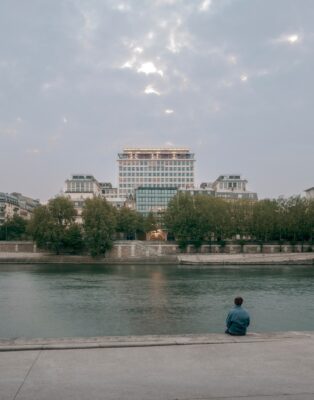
point(231, 79)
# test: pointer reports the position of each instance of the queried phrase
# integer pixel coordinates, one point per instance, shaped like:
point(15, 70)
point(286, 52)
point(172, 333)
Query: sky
point(230, 79)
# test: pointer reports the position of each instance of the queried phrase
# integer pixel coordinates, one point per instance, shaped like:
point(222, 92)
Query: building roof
point(308, 190)
point(156, 149)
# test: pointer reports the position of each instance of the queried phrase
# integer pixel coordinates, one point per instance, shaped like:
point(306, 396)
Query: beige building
point(79, 188)
point(232, 186)
point(155, 167)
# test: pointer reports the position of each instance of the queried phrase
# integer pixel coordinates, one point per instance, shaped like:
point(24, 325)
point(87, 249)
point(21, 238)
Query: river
point(96, 300)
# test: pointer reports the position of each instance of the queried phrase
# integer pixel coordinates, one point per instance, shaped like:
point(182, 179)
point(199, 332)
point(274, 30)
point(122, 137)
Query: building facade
point(16, 204)
point(79, 188)
point(153, 199)
point(154, 167)
point(232, 187)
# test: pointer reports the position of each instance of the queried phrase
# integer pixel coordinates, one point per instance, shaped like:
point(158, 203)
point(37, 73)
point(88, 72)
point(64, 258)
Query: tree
point(99, 224)
point(14, 228)
point(150, 223)
point(185, 220)
point(53, 226)
point(128, 222)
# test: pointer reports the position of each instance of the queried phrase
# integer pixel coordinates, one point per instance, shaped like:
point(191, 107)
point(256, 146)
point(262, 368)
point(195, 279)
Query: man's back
point(237, 321)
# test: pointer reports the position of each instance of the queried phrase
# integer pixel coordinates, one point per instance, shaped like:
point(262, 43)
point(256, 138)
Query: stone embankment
point(136, 251)
point(249, 259)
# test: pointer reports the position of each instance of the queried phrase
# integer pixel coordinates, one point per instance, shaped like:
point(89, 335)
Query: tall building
point(232, 187)
point(155, 167)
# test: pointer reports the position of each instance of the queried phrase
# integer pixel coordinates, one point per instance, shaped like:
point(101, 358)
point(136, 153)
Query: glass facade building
point(153, 199)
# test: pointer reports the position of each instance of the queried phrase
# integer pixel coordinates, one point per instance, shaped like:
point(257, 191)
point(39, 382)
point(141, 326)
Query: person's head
point(238, 301)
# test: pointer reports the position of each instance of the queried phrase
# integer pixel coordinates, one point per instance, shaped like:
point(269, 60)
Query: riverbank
point(247, 259)
point(258, 366)
point(188, 259)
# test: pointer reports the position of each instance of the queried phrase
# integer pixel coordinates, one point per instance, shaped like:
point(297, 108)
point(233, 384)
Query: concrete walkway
point(191, 367)
point(250, 259)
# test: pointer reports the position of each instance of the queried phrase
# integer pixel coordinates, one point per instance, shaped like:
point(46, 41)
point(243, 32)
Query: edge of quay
point(102, 342)
point(183, 259)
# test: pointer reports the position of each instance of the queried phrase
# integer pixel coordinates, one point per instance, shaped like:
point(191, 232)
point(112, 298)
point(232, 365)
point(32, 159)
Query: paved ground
point(259, 367)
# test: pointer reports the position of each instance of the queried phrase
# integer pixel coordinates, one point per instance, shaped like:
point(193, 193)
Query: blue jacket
point(237, 321)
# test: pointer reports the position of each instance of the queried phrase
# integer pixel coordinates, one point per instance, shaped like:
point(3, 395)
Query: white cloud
point(151, 35)
point(149, 68)
point(151, 90)
point(232, 59)
point(138, 50)
point(88, 28)
point(64, 120)
point(292, 39)
point(123, 7)
point(169, 111)
point(205, 5)
point(51, 85)
point(244, 78)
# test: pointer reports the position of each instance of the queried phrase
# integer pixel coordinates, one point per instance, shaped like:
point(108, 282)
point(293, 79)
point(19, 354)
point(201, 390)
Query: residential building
point(16, 204)
point(155, 167)
point(232, 187)
point(27, 204)
point(79, 188)
point(208, 191)
point(9, 206)
point(111, 195)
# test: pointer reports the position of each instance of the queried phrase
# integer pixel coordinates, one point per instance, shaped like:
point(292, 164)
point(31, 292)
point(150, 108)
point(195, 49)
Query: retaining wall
point(126, 249)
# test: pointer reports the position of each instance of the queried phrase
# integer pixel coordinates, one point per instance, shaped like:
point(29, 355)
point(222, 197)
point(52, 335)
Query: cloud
point(148, 68)
point(244, 78)
point(205, 5)
point(151, 90)
point(123, 7)
point(292, 39)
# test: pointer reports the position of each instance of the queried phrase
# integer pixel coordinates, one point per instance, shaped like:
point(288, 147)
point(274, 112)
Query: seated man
point(238, 319)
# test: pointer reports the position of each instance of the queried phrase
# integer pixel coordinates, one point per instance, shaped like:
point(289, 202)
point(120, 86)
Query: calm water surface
point(94, 300)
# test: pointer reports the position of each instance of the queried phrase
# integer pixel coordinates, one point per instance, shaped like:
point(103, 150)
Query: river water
point(95, 300)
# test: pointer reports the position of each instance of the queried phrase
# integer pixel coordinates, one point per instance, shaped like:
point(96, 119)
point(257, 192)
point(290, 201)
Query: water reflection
point(90, 300)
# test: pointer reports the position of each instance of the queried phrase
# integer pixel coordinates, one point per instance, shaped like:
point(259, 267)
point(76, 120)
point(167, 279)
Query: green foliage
point(53, 226)
point(14, 228)
point(195, 219)
point(129, 222)
point(150, 223)
point(99, 225)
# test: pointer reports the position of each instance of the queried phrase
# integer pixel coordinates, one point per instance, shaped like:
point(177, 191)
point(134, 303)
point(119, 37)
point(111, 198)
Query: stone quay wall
point(126, 249)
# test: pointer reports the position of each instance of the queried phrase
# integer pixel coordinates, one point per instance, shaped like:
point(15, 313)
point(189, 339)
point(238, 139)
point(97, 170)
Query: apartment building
point(232, 187)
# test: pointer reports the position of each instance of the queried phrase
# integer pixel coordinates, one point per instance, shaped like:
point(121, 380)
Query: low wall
point(136, 249)
point(18, 247)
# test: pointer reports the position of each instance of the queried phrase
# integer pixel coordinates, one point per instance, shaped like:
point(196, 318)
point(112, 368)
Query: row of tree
point(54, 226)
point(198, 219)
point(189, 220)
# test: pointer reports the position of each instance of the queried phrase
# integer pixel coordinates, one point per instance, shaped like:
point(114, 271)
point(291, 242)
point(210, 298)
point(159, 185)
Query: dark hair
point(238, 301)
